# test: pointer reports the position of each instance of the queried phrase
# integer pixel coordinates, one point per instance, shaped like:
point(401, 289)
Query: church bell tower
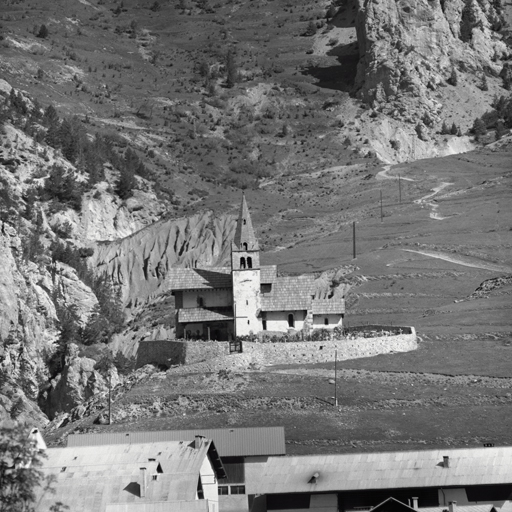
point(245, 272)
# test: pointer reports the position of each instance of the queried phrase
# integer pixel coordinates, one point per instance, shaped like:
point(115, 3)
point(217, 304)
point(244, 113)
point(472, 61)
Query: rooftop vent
point(414, 503)
point(314, 478)
point(446, 461)
point(452, 506)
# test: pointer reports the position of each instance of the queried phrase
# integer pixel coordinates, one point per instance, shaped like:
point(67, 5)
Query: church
point(222, 303)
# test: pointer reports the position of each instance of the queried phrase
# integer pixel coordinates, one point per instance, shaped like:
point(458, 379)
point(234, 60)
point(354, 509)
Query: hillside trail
point(466, 261)
point(422, 201)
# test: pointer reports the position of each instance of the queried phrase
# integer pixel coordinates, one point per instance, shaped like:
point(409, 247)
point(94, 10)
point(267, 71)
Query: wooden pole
point(399, 190)
point(109, 397)
point(354, 239)
point(381, 215)
point(336, 378)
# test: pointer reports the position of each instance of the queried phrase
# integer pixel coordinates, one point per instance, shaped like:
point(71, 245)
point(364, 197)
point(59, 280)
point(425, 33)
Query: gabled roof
point(190, 315)
point(244, 233)
point(289, 294)
point(229, 442)
point(199, 278)
point(464, 508)
point(87, 478)
point(392, 505)
point(334, 306)
point(364, 471)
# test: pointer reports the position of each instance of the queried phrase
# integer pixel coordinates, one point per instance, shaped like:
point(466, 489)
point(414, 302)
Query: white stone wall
point(278, 320)
point(246, 293)
point(210, 485)
point(334, 321)
point(307, 352)
point(211, 298)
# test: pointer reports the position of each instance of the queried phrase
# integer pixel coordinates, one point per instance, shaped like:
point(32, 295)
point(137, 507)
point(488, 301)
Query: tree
point(444, 129)
point(20, 460)
point(454, 130)
point(231, 69)
point(500, 129)
point(126, 183)
point(479, 128)
point(310, 29)
point(43, 32)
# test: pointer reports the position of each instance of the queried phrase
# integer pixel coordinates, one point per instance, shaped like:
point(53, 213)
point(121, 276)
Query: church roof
point(189, 315)
point(289, 294)
point(244, 233)
point(334, 306)
point(199, 278)
point(268, 274)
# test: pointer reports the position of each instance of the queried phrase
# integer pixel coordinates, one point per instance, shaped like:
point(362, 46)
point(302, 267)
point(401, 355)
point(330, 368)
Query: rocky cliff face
point(423, 62)
point(139, 263)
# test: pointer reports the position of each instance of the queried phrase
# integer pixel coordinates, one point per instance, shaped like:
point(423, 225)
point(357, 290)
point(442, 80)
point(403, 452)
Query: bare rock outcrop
point(140, 262)
point(413, 53)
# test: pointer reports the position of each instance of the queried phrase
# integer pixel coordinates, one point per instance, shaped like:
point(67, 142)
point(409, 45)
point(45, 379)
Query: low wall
point(172, 352)
point(323, 351)
point(264, 354)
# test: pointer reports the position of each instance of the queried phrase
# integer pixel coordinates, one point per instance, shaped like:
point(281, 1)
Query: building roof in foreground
point(364, 471)
point(160, 506)
point(228, 441)
point(199, 278)
point(268, 274)
point(88, 478)
point(463, 508)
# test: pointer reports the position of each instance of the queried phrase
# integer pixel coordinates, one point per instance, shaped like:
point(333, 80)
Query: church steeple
point(245, 239)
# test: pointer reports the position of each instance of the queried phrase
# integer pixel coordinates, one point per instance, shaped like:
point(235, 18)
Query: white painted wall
point(210, 485)
point(211, 298)
point(334, 321)
point(246, 293)
point(278, 320)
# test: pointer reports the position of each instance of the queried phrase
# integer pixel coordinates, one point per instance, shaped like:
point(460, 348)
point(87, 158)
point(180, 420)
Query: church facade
point(222, 303)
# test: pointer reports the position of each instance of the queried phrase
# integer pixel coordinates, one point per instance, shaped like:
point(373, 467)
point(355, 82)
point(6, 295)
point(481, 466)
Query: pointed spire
point(244, 233)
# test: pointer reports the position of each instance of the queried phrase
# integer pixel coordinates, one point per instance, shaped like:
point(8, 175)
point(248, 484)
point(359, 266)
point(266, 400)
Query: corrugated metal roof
point(469, 466)
point(229, 442)
point(462, 508)
point(162, 506)
point(199, 278)
point(87, 478)
point(334, 306)
point(289, 294)
point(189, 315)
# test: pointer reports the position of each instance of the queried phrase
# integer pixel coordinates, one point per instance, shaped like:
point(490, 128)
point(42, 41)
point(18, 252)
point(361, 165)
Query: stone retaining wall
point(172, 352)
point(264, 354)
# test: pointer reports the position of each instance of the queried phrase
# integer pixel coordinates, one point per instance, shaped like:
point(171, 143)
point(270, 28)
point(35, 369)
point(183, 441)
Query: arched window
point(245, 222)
point(326, 321)
point(249, 262)
point(291, 320)
point(242, 262)
point(244, 245)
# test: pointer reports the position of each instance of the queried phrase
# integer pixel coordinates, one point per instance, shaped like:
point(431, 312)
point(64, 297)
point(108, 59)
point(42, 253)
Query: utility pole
point(381, 206)
point(336, 378)
point(354, 239)
point(110, 396)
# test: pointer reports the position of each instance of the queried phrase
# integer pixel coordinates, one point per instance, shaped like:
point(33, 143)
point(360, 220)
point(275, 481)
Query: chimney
point(143, 482)
point(414, 500)
point(198, 441)
point(446, 461)
point(452, 506)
